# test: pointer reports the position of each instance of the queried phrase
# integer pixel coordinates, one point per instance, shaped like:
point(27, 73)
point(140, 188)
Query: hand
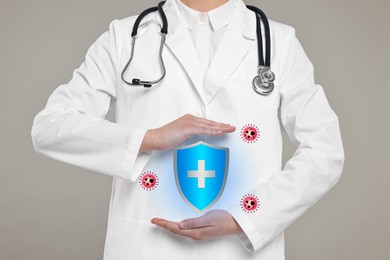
point(181, 129)
point(212, 224)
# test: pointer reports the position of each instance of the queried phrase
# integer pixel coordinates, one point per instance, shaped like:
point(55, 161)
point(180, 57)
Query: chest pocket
point(240, 87)
point(240, 82)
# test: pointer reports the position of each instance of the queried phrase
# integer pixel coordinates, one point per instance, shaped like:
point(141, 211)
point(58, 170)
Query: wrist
point(149, 141)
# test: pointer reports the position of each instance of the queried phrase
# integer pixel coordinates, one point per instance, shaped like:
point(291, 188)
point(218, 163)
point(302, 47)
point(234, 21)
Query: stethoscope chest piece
point(263, 83)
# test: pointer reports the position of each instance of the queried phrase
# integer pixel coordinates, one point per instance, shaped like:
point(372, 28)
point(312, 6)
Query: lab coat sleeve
point(72, 127)
point(316, 165)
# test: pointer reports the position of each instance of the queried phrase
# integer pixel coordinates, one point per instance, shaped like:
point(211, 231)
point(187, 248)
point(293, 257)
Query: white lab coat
point(72, 128)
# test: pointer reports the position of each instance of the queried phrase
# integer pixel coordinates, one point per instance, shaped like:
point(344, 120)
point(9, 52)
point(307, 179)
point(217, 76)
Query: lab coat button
point(202, 17)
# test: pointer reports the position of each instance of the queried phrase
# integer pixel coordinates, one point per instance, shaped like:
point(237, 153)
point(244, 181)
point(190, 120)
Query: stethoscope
point(262, 83)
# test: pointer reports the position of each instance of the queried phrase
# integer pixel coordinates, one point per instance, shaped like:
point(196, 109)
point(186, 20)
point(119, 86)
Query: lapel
point(231, 51)
point(181, 45)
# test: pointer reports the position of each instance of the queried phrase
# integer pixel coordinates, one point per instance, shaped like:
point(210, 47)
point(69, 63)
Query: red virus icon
point(250, 203)
point(250, 133)
point(148, 181)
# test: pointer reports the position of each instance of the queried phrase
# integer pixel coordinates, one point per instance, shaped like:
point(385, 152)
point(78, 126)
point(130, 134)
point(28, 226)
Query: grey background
point(50, 210)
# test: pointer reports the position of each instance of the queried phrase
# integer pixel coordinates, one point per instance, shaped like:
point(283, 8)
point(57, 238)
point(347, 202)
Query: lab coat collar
point(244, 18)
point(218, 17)
point(234, 46)
point(179, 42)
point(232, 49)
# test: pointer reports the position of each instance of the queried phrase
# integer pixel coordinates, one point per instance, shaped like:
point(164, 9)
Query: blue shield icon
point(201, 172)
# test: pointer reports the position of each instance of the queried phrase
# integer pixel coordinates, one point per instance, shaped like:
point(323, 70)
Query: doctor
point(210, 56)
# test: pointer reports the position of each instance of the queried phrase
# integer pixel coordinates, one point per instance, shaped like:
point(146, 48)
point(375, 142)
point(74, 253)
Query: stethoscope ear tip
point(262, 83)
point(136, 81)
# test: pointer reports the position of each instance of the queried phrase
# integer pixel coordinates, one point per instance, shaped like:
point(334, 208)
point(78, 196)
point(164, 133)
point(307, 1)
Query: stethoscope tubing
point(262, 83)
point(267, 61)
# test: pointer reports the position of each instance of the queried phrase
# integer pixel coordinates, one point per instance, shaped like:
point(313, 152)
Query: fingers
point(192, 223)
point(211, 123)
point(174, 227)
point(222, 128)
point(215, 131)
point(181, 129)
point(201, 126)
point(213, 223)
point(170, 225)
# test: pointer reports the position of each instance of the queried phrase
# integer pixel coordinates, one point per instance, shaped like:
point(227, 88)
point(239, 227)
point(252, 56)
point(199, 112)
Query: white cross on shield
point(201, 171)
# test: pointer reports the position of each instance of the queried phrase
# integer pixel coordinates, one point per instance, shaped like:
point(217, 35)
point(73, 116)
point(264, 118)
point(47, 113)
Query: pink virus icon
point(250, 133)
point(250, 203)
point(148, 181)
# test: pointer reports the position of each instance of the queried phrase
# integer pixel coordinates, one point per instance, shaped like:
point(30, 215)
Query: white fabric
point(206, 29)
point(202, 43)
point(72, 128)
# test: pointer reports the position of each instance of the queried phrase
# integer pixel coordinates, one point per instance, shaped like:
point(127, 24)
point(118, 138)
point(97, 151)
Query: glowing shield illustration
point(201, 171)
